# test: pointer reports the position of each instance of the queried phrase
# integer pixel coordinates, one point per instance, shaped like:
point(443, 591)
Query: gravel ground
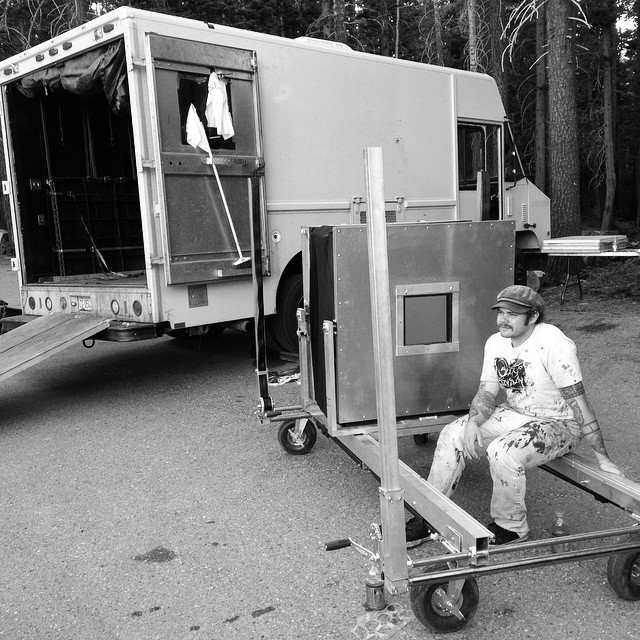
point(141, 499)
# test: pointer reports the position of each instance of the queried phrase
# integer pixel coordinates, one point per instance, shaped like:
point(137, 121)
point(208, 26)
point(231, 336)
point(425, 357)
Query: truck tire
point(284, 325)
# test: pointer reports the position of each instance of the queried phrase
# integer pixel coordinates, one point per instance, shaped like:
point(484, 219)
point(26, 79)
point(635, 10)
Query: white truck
point(140, 146)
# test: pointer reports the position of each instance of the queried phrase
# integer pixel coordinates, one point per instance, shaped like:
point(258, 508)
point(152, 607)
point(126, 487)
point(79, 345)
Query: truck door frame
point(176, 160)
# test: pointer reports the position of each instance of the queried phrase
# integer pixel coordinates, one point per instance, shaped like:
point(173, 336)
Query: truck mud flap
point(44, 337)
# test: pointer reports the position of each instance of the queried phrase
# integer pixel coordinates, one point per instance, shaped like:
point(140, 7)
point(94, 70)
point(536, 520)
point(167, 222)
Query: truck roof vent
point(324, 44)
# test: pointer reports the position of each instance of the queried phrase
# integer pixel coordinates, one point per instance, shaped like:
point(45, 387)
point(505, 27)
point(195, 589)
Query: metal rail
point(533, 544)
point(522, 563)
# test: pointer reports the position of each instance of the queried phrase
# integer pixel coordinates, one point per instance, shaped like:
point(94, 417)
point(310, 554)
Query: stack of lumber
point(584, 244)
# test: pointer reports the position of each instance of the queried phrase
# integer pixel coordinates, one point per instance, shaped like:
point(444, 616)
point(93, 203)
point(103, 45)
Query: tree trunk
point(494, 13)
point(326, 13)
point(340, 19)
point(636, 85)
point(437, 22)
point(473, 43)
point(563, 125)
point(397, 46)
point(541, 102)
point(609, 53)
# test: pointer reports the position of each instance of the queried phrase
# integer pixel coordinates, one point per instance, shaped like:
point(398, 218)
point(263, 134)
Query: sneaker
point(504, 536)
point(418, 530)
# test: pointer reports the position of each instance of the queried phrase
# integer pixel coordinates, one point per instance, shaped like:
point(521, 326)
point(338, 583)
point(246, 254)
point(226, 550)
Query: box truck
point(140, 146)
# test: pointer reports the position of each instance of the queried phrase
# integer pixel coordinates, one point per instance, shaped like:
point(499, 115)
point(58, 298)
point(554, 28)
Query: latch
point(356, 215)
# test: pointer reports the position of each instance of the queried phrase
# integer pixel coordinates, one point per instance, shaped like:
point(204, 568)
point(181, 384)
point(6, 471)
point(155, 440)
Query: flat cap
point(520, 299)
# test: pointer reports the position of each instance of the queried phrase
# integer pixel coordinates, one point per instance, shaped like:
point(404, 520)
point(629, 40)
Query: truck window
point(479, 165)
point(192, 89)
point(478, 150)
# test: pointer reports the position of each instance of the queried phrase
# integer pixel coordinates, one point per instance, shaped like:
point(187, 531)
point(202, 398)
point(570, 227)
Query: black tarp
point(100, 70)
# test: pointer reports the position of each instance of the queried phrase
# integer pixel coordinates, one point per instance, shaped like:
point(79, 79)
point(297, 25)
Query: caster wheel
point(623, 573)
point(435, 610)
point(421, 438)
point(293, 443)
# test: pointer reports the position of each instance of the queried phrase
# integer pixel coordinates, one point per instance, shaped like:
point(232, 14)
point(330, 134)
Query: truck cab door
point(198, 230)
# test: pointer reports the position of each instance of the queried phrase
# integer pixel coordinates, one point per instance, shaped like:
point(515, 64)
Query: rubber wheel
point(284, 325)
point(291, 443)
point(425, 605)
point(421, 438)
point(623, 573)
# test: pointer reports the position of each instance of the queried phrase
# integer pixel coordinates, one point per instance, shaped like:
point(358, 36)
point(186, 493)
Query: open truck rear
point(117, 215)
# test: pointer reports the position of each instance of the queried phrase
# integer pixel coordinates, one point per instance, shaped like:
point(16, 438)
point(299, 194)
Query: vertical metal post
point(393, 548)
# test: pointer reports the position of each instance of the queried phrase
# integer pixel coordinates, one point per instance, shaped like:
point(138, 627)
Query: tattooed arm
point(482, 407)
point(576, 398)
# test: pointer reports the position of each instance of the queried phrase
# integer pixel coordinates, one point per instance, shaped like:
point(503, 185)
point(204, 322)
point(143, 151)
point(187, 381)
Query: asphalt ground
point(141, 499)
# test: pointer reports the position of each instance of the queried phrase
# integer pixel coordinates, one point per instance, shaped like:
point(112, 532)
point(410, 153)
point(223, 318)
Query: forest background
point(568, 72)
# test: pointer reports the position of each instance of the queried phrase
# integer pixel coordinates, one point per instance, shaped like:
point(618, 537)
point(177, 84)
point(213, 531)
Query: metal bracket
point(392, 494)
point(356, 203)
point(399, 207)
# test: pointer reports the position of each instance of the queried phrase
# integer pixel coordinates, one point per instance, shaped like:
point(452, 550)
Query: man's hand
point(472, 440)
point(605, 464)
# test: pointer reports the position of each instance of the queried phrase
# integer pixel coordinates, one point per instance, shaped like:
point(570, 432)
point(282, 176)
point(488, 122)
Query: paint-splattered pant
point(513, 442)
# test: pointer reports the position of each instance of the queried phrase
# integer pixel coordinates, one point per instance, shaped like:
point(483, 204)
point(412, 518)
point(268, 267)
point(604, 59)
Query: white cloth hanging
point(217, 108)
point(196, 135)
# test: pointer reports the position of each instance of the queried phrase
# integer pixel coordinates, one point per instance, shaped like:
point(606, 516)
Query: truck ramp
point(43, 337)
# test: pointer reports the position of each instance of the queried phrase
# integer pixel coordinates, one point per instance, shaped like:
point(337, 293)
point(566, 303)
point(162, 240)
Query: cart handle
point(334, 545)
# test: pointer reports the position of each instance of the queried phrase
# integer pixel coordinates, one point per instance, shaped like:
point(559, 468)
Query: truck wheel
point(294, 444)
point(285, 323)
point(430, 605)
point(623, 573)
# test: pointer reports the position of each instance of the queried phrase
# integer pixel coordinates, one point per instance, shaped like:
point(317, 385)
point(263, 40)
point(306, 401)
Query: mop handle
point(226, 206)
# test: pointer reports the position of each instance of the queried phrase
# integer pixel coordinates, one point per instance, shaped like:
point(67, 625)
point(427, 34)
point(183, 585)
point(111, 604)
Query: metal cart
point(391, 338)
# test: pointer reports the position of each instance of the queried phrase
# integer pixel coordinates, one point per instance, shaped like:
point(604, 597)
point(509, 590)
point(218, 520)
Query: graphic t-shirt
point(532, 373)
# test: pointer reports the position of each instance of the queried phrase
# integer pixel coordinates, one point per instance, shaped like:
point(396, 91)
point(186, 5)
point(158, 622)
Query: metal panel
point(176, 50)
point(475, 260)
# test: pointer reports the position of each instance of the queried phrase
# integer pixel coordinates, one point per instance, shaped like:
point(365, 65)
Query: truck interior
point(75, 171)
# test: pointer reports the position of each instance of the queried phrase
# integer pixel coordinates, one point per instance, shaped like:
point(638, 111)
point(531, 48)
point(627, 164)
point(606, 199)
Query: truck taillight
point(115, 307)
point(137, 307)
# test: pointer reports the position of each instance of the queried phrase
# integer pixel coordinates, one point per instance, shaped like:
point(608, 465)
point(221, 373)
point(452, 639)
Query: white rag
point(196, 135)
point(217, 109)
